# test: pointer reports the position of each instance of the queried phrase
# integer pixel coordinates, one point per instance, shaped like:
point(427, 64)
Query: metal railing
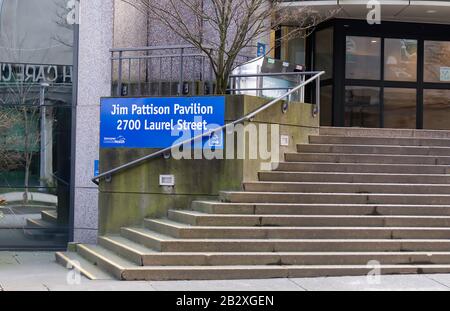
point(247, 118)
point(163, 71)
point(239, 84)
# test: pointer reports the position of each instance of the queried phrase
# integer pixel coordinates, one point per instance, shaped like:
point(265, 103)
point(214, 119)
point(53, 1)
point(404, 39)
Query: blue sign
point(96, 167)
point(160, 122)
point(261, 50)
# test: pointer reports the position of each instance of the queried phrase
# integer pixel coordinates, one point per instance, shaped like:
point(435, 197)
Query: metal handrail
point(273, 74)
point(165, 47)
point(153, 48)
point(249, 117)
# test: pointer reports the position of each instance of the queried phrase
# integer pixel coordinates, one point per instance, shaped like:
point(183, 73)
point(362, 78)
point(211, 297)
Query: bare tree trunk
point(221, 84)
point(26, 183)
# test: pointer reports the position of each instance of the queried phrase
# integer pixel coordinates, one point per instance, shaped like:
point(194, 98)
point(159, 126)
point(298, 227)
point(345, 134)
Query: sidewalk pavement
point(37, 271)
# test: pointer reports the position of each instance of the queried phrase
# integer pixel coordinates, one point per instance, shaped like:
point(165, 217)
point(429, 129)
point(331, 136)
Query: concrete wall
point(135, 193)
point(94, 81)
point(131, 25)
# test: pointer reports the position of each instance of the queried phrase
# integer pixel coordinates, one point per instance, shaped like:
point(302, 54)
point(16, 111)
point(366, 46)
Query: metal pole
point(180, 87)
point(43, 153)
point(119, 84)
point(317, 108)
point(259, 82)
point(70, 214)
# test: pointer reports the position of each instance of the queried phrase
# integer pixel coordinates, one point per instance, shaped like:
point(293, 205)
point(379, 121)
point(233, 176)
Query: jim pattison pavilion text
point(150, 109)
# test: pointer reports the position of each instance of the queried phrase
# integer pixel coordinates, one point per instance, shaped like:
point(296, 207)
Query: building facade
point(385, 67)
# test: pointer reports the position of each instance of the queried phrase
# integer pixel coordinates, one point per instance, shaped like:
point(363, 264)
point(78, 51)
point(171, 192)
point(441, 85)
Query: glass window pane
point(292, 46)
point(296, 51)
point(36, 46)
point(400, 60)
point(31, 192)
point(437, 61)
point(362, 106)
point(324, 52)
point(363, 58)
point(436, 114)
point(400, 108)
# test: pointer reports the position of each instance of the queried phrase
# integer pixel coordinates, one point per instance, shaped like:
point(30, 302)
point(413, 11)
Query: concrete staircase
point(46, 228)
point(350, 197)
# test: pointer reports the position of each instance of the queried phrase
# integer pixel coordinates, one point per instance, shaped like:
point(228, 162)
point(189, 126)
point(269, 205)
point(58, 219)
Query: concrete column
point(94, 81)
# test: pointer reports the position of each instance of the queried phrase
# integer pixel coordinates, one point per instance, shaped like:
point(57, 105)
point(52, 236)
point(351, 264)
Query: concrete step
point(354, 177)
point(184, 231)
point(201, 219)
point(127, 248)
point(333, 198)
point(367, 149)
point(215, 207)
point(306, 187)
point(50, 216)
point(266, 272)
point(380, 141)
point(365, 158)
point(73, 260)
point(383, 132)
point(148, 257)
point(167, 244)
point(361, 168)
point(125, 270)
point(106, 260)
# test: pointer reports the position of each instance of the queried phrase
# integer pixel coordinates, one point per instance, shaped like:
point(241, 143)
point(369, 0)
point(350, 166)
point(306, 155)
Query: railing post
point(317, 110)
point(180, 87)
point(119, 82)
point(302, 90)
point(238, 86)
point(112, 73)
point(259, 83)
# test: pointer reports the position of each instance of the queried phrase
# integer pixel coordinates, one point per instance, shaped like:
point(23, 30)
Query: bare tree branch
point(232, 26)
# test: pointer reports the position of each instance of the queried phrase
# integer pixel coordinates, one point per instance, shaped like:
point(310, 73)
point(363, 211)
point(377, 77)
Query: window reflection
point(34, 164)
point(436, 109)
point(36, 46)
point(437, 61)
point(400, 60)
point(400, 108)
point(362, 106)
point(324, 52)
point(326, 105)
point(363, 58)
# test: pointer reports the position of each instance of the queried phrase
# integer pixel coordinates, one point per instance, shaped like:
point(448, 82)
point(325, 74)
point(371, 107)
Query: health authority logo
point(115, 140)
